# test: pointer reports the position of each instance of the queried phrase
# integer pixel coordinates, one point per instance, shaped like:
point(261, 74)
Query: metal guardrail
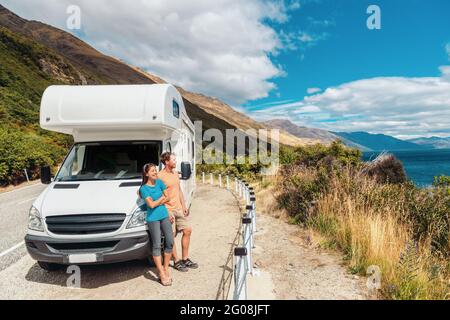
point(243, 260)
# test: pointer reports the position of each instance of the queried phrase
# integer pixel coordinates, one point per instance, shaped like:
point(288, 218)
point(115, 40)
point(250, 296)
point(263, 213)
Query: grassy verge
point(359, 210)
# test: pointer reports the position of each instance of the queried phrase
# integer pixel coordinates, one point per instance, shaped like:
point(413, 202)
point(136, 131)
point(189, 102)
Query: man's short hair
point(166, 157)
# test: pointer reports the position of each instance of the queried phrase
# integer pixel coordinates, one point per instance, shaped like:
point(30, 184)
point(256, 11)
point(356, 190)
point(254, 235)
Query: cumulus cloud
point(221, 48)
point(398, 106)
point(313, 90)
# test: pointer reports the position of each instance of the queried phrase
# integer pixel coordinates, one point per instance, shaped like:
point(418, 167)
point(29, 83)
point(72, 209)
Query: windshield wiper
point(81, 179)
point(128, 178)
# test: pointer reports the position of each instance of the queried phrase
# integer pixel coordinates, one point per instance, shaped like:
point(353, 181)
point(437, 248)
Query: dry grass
point(366, 221)
point(266, 201)
point(375, 235)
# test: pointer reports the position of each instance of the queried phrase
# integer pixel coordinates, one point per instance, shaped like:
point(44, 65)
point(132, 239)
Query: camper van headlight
point(35, 220)
point(138, 217)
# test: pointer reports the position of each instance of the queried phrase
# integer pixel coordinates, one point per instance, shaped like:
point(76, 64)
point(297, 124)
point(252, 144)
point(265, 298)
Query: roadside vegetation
point(373, 214)
point(26, 69)
point(370, 212)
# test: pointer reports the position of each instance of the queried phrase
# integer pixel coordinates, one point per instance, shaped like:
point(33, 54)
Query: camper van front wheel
point(48, 266)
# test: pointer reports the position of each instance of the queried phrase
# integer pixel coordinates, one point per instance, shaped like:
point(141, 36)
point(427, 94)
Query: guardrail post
point(211, 178)
point(250, 194)
point(26, 175)
point(220, 180)
point(228, 182)
point(240, 274)
point(249, 214)
point(246, 194)
point(248, 241)
point(203, 177)
point(253, 204)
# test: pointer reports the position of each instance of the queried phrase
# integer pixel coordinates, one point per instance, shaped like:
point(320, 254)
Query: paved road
point(215, 219)
point(14, 207)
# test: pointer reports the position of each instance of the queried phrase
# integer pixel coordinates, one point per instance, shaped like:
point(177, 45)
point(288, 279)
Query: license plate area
point(83, 258)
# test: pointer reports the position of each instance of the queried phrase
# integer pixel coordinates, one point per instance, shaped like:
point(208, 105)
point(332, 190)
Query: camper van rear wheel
point(48, 266)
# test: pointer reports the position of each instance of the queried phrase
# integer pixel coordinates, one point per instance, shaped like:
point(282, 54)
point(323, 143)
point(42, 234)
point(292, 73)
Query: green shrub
point(20, 150)
point(328, 189)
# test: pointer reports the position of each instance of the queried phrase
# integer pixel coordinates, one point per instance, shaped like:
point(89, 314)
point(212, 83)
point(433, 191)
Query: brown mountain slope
point(98, 68)
point(318, 135)
point(224, 112)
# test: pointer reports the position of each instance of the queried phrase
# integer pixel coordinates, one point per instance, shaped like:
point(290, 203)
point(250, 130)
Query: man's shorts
point(181, 221)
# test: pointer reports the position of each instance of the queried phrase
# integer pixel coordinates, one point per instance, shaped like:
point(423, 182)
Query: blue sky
point(313, 62)
point(411, 43)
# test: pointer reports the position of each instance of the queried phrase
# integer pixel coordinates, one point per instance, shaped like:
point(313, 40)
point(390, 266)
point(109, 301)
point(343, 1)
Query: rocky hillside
point(316, 135)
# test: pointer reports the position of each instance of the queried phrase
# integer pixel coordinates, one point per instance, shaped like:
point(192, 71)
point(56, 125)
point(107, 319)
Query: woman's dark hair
point(145, 169)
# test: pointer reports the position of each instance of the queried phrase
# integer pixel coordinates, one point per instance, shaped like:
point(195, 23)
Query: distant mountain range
point(379, 142)
point(433, 142)
point(362, 140)
point(301, 132)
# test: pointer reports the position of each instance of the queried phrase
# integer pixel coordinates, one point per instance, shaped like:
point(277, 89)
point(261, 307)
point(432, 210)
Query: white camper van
point(90, 212)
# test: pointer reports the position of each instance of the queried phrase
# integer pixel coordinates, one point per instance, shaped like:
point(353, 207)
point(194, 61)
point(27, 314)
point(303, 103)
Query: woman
point(153, 192)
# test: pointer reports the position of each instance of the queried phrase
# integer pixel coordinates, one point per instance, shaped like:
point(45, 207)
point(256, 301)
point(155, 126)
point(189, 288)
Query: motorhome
point(90, 212)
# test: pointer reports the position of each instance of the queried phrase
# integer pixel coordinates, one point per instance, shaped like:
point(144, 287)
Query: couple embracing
point(167, 215)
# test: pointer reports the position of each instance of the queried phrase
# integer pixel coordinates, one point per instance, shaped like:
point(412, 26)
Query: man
point(177, 208)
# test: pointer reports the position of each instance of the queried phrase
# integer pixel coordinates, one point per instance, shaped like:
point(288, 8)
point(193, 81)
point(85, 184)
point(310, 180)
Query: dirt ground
point(215, 220)
point(22, 185)
point(297, 268)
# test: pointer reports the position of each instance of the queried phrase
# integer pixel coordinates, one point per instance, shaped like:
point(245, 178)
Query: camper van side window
point(176, 109)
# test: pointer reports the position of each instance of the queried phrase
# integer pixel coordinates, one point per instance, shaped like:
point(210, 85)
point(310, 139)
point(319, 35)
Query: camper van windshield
point(108, 161)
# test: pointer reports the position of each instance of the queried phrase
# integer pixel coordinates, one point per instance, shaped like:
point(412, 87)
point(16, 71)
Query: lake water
point(421, 166)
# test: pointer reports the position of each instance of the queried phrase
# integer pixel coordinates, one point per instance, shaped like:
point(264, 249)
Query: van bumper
point(133, 246)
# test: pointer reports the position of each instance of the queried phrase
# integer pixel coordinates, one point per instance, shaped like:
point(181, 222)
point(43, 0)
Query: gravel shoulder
point(297, 268)
point(215, 220)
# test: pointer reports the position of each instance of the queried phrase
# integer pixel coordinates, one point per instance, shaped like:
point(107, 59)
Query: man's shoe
point(190, 264)
point(180, 266)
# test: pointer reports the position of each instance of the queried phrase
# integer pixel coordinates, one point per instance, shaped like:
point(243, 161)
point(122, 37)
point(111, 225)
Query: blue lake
point(421, 166)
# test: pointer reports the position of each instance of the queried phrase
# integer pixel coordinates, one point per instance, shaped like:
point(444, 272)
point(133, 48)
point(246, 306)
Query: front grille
point(85, 223)
point(100, 245)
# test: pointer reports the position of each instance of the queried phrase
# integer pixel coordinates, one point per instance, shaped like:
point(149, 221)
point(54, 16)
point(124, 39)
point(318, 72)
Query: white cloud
point(398, 106)
point(447, 49)
point(221, 48)
point(313, 90)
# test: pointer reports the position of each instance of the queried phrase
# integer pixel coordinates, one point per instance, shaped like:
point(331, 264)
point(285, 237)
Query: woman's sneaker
point(190, 264)
point(179, 265)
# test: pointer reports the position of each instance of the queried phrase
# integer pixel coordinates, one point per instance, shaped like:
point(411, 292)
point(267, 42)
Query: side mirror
point(46, 175)
point(186, 171)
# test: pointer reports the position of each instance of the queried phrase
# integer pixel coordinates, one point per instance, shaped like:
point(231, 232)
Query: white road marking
point(26, 200)
point(19, 189)
point(4, 253)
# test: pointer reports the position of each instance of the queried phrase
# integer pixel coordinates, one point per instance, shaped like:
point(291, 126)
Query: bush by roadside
point(374, 215)
point(21, 150)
